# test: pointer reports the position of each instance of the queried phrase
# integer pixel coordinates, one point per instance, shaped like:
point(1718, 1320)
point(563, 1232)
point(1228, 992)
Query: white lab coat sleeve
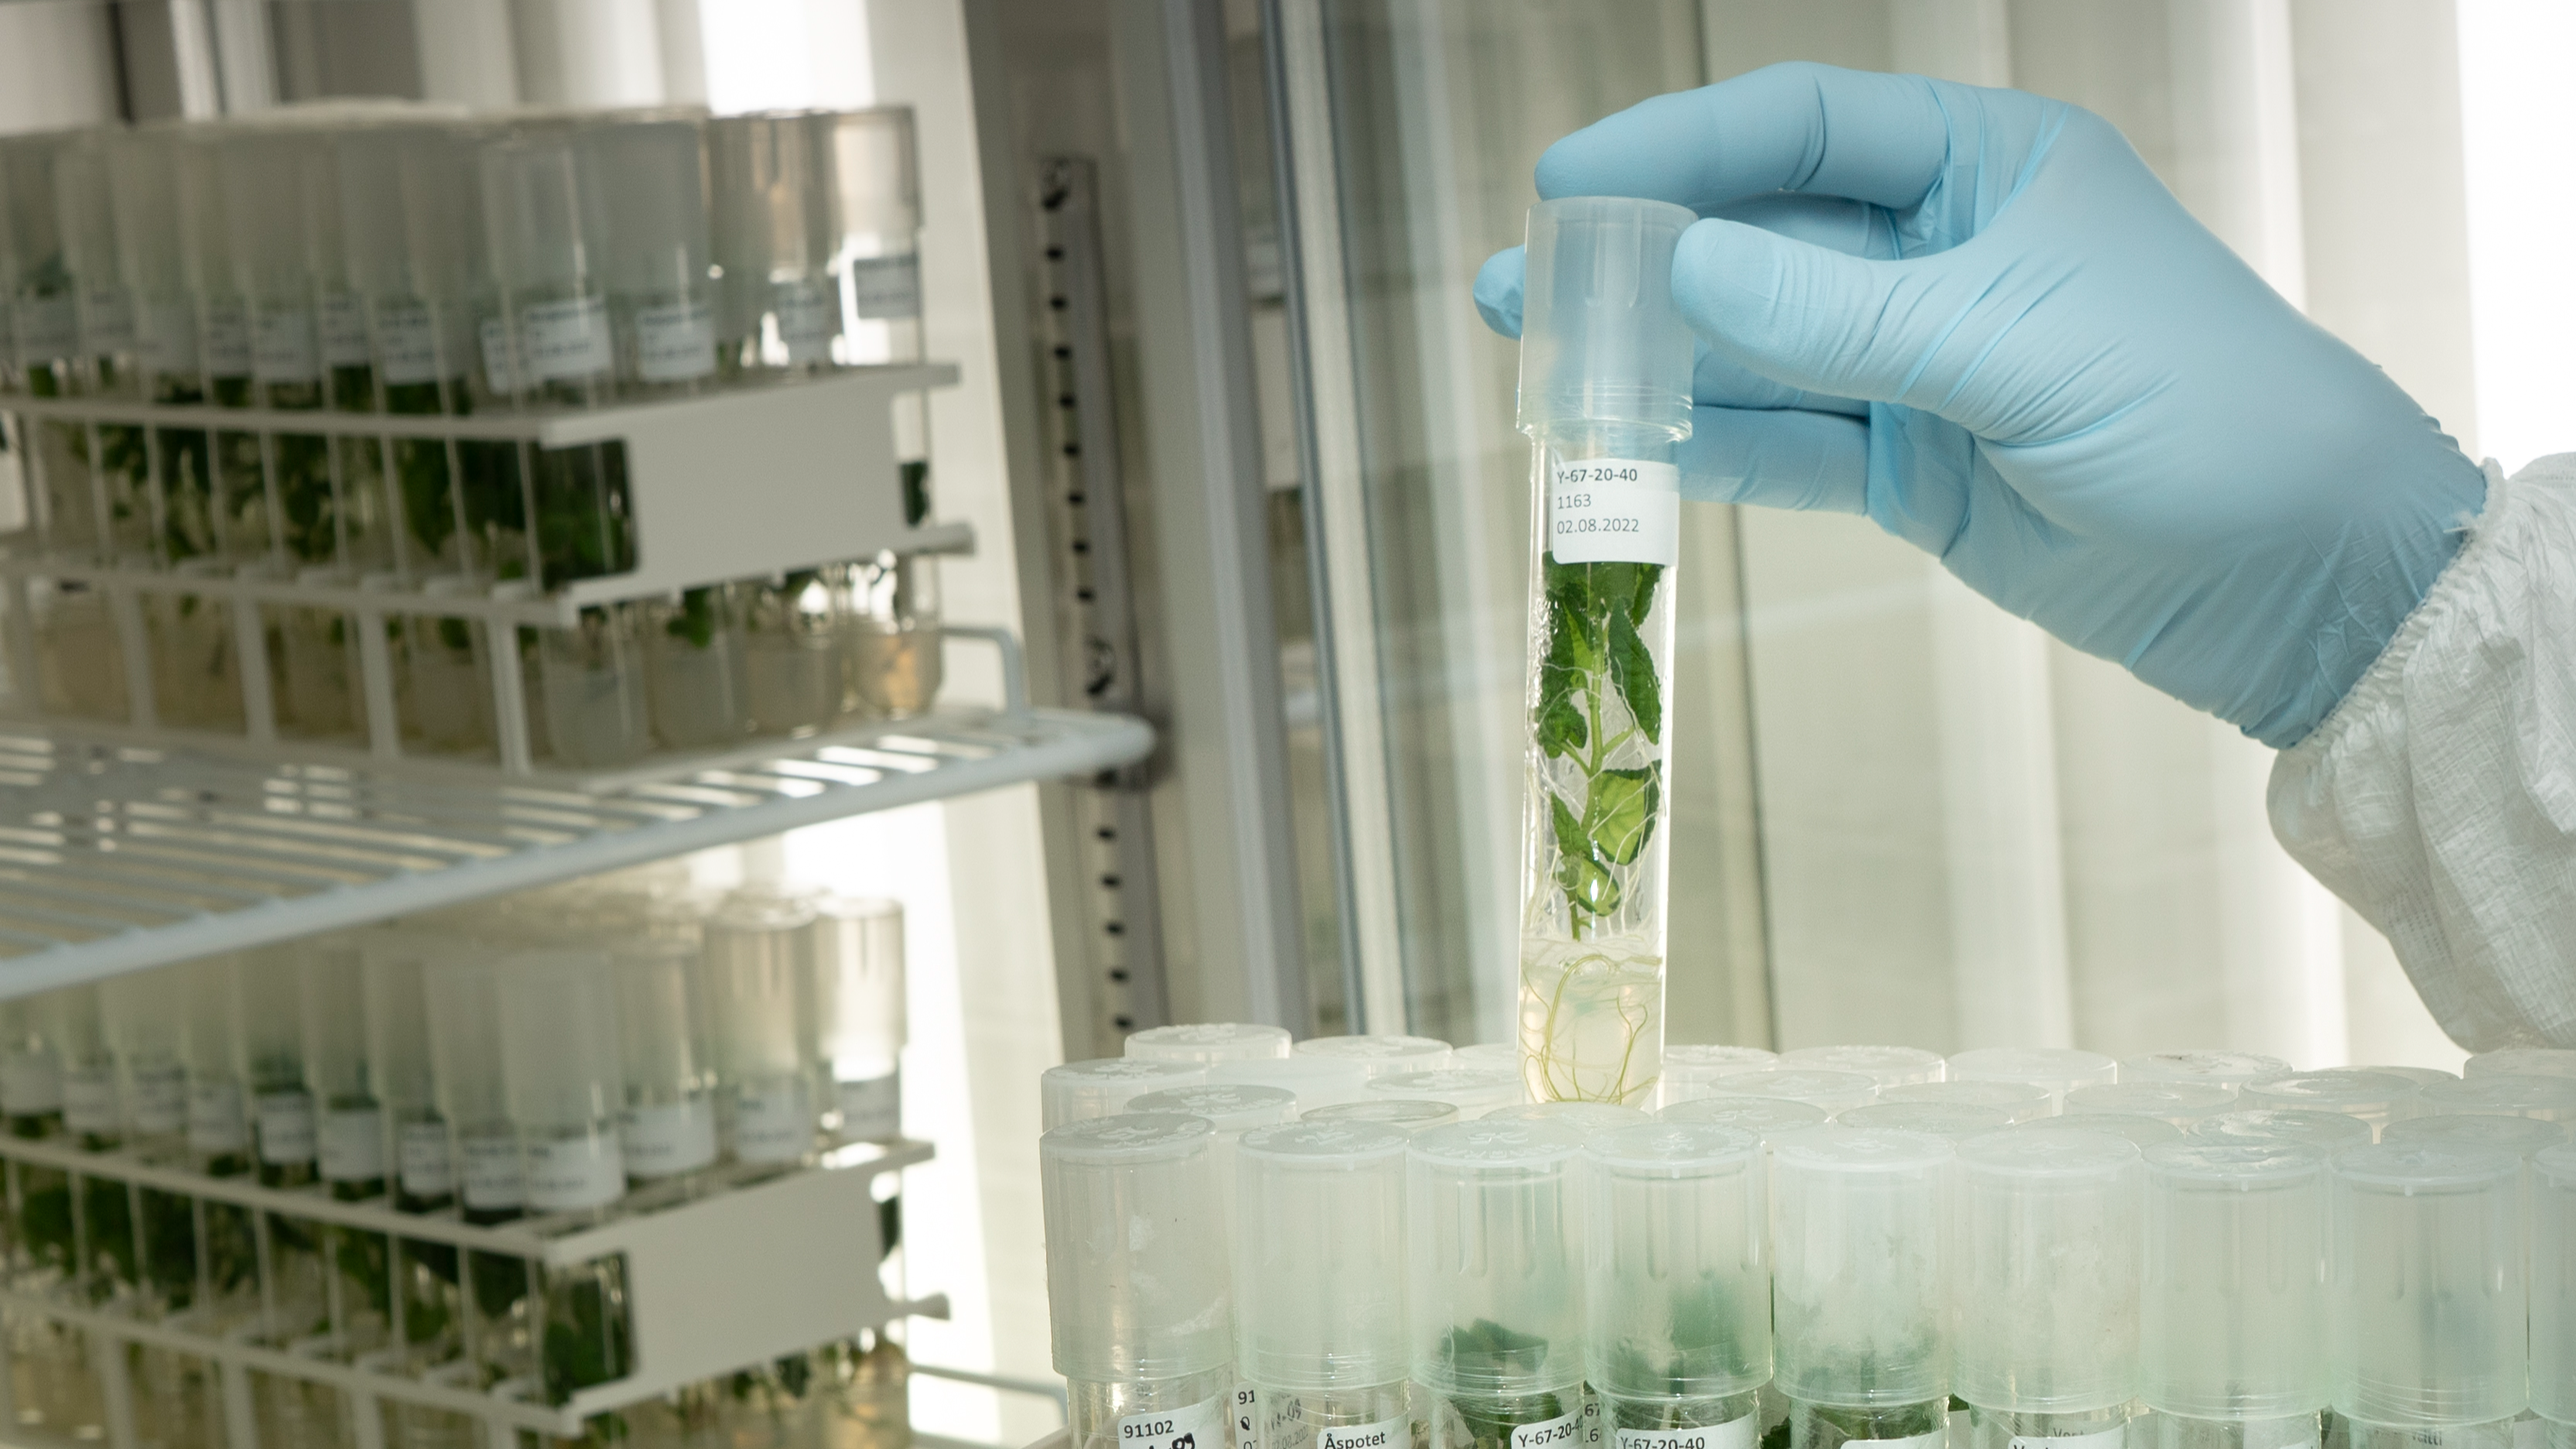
point(2439, 799)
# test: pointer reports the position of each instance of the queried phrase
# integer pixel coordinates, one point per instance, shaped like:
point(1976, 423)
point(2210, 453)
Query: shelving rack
point(805, 474)
point(799, 1270)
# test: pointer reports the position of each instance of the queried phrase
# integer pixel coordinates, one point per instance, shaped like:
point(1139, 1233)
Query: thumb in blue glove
point(1977, 317)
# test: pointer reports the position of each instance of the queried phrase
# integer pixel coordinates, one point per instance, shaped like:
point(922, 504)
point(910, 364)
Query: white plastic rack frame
point(741, 482)
point(800, 1270)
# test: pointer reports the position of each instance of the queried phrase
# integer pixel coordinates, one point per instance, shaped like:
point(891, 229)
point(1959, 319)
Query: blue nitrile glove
point(1976, 316)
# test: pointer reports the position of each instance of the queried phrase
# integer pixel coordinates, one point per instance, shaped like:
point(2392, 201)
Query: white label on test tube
point(1394, 1433)
point(281, 346)
point(48, 327)
point(1558, 1433)
point(286, 1127)
point(1733, 1434)
point(89, 1101)
point(493, 1182)
point(406, 346)
point(31, 1084)
point(353, 1145)
point(886, 289)
point(1933, 1440)
point(500, 366)
point(170, 337)
point(160, 1100)
point(2106, 1439)
point(570, 1173)
point(427, 1168)
point(1247, 1417)
point(344, 331)
point(1614, 510)
point(675, 343)
point(1199, 1423)
point(804, 320)
point(561, 340)
point(227, 339)
point(215, 1117)
point(872, 1111)
point(670, 1138)
point(776, 1125)
point(107, 324)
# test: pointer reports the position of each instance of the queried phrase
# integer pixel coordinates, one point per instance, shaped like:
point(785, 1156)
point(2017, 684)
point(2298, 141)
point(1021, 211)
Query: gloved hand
point(1977, 317)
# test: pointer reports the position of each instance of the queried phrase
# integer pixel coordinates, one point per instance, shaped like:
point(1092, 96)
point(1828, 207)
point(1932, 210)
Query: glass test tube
point(1317, 1081)
point(142, 1012)
point(107, 368)
point(426, 1276)
point(860, 1012)
point(2426, 1333)
point(2058, 1069)
point(1767, 1117)
point(39, 290)
point(94, 1119)
point(1860, 1285)
point(1889, 1066)
point(669, 1123)
point(2018, 1101)
point(351, 1138)
point(2232, 1320)
point(1605, 402)
point(50, 1371)
point(296, 1277)
point(2553, 1292)
point(1474, 1091)
point(1679, 1283)
point(2047, 1344)
point(774, 241)
point(1379, 1056)
point(2374, 1098)
point(1692, 1069)
point(759, 975)
point(565, 1085)
point(219, 1143)
point(1208, 1042)
point(1319, 1284)
point(2324, 1131)
point(464, 998)
point(1103, 1086)
point(1136, 1284)
point(2549, 1098)
point(1494, 1263)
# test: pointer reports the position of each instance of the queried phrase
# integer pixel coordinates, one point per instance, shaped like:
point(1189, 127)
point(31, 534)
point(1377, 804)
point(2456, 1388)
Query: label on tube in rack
point(1199, 1424)
point(805, 314)
point(676, 343)
point(31, 1084)
point(1561, 1432)
point(1384, 1434)
point(886, 289)
point(2106, 1439)
point(281, 346)
point(428, 1170)
point(215, 1118)
point(1613, 510)
point(669, 1137)
point(353, 1144)
point(409, 343)
point(773, 1124)
point(344, 331)
point(492, 1179)
point(569, 1173)
point(226, 339)
point(106, 323)
point(48, 328)
point(564, 341)
point(170, 338)
point(89, 1101)
point(160, 1099)
point(286, 1128)
point(1733, 1434)
point(872, 1111)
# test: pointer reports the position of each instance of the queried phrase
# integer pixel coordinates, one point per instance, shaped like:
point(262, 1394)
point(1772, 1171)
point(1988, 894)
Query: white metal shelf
point(800, 1271)
point(114, 857)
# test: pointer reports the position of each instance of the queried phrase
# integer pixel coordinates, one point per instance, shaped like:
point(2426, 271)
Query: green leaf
point(1620, 816)
point(1560, 722)
point(1641, 595)
point(1580, 871)
point(1632, 669)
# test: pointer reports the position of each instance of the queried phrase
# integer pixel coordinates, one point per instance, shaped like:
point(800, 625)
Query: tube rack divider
point(821, 485)
point(800, 1271)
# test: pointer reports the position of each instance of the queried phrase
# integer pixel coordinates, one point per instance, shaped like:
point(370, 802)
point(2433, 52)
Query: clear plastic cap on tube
point(2210, 1068)
point(1601, 342)
point(2551, 1099)
point(1317, 1081)
point(1957, 1121)
point(1768, 1117)
point(2553, 1284)
point(2048, 1272)
point(2177, 1102)
point(1405, 1117)
point(2018, 1101)
point(1692, 1070)
point(1380, 1056)
point(1495, 1259)
point(1319, 1256)
point(2522, 1062)
point(2231, 1322)
point(1833, 1091)
point(1137, 1281)
point(1231, 1108)
point(1889, 1066)
point(2323, 1131)
point(1208, 1041)
point(1677, 1264)
point(2525, 1136)
point(1103, 1086)
point(1588, 1118)
point(2374, 1097)
point(1474, 1091)
point(2058, 1069)
point(1859, 1273)
point(2425, 1313)
point(2143, 1131)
